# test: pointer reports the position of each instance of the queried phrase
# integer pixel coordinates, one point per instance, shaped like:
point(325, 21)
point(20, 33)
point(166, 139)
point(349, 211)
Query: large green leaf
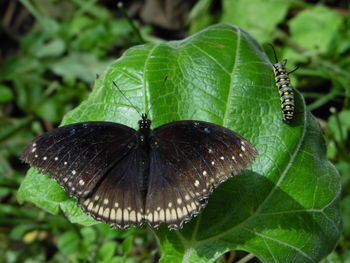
point(284, 209)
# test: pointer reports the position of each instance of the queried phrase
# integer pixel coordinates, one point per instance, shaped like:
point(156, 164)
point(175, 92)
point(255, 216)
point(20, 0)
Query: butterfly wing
point(94, 162)
point(118, 199)
point(187, 160)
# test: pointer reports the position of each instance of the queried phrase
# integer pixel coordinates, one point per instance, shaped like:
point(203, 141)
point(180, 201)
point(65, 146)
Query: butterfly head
point(144, 123)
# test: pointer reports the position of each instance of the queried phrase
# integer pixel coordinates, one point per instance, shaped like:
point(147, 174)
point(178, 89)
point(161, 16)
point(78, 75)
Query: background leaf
point(286, 209)
point(315, 28)
point(259, 18)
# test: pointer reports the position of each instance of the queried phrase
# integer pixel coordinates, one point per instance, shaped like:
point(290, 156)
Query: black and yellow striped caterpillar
point(285, 88)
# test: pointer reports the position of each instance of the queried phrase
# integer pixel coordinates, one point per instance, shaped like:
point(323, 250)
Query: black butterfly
point(122, 176)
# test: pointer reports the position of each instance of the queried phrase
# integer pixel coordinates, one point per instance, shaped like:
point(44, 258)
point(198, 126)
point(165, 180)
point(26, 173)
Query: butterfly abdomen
point(286, 91)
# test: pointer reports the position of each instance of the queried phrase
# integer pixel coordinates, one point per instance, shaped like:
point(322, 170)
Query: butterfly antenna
point(130, 21)
point(274, 52)
point(163, 85)
point(132, 104)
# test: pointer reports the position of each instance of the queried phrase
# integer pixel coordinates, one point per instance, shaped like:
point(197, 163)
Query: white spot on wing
point(126, 215)
point(193, 204)
point(155, 216)
point(56, 158)
point(74, 172)
point(45, 158)
point(90, 206)
point(106, 213)
point(196, 183)
point(119, 214)
point(205, 173)
point(161, 215)
point(179, 212)
point(132, 216)
point(112, 215)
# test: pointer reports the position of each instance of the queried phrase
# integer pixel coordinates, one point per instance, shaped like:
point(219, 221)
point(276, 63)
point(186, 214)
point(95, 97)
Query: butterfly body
point(125, 177)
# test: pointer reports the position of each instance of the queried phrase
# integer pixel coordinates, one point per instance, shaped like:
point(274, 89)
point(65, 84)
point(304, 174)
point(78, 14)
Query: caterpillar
point(285, 88)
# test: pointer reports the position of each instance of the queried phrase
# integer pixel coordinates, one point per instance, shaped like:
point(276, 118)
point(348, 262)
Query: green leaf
point(75, 214)
point(82, 66)
point(285, 208)
point(69, 243)
point(107, 251)
point(54, 48)
point(346, 214)
point(339, 125)
point(127, 245)
point(200, 16)
point(260, 18)
point(5, 94)
point(89, 235)
point(41, 191)
point(314, 28)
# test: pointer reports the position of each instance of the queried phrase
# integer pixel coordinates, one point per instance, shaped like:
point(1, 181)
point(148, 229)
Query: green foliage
point(72, 41)
point(6, 94)
point(259, 18)
point(296, 205)
point(314, 28)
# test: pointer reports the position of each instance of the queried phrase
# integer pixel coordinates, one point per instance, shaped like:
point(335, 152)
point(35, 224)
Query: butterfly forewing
point(79, 155)
point(188, 159)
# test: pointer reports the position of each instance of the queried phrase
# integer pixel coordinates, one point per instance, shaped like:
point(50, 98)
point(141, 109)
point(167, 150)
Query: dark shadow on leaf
point(237, 213)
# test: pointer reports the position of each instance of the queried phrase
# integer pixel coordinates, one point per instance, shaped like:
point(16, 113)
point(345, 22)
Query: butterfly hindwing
point(117, 199)
point(187, 160)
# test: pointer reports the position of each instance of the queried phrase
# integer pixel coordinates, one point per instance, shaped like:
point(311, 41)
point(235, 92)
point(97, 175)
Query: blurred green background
point(51, 52)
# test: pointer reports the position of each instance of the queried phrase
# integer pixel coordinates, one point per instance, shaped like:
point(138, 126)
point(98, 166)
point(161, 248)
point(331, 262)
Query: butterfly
point(123, 177)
